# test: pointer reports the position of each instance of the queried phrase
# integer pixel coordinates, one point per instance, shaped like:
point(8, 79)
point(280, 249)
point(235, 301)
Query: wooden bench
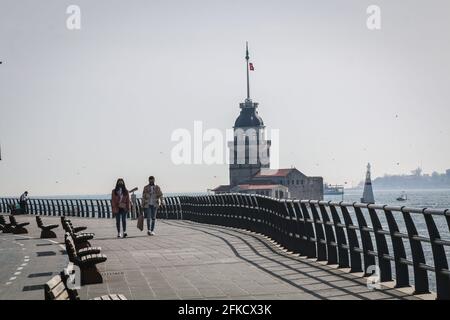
point(18, 228)
point(56, 289)
point(81, 239)
point(46, 230)
point(64, 221)
point(83, 251)
point(86, 259)
point(5, 226)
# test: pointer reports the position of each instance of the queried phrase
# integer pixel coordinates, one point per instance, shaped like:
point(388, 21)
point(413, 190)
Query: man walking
point(151, 200)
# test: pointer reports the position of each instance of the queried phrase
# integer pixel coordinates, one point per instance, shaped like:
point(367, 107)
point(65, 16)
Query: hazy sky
point(80, 108)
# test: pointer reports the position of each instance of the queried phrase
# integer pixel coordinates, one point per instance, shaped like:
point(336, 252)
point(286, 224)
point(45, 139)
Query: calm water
point(431, 198)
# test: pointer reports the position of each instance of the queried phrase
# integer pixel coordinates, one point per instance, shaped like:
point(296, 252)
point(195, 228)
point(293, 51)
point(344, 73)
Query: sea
point(420, 198)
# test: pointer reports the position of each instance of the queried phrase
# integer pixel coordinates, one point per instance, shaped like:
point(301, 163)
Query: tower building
point(250, 151)
point(249, 168)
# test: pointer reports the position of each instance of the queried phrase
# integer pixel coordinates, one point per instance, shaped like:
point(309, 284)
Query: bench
point(5, 226)
point(86, 259)
point(64, 220)
point(18, 228)
point(46, 230)
point(81, 240)
point(56, 289)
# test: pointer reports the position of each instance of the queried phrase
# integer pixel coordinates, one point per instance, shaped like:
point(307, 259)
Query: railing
point(401, 243)
point(85, 208)
point(388, 239)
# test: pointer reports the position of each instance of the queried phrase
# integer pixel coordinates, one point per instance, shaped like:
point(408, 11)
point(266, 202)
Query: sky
point(80, 108)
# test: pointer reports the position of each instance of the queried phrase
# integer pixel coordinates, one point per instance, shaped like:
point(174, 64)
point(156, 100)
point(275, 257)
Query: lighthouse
point(368, 191)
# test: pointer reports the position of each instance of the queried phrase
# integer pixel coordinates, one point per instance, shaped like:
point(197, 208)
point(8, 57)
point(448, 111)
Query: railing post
point(53, 208)
point(330, 239)
point(99, 209)
point(58, 206)
point(31, 204)
point(340, 236)
point(46, 207)
point(40, 207)
point(320, 233)
point(309, 230)
point(366, 240)
point(91, 204)
point(401, 269)
point(420, 275)
point(439, 257)
point(305, 246)
point(79, 207)
point(382, 248)
point(73, 208)
point(65, 204)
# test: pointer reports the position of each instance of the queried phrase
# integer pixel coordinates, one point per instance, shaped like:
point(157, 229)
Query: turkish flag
point(251, 67)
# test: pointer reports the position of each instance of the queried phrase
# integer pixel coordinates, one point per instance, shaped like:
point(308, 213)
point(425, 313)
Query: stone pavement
point(185, 260)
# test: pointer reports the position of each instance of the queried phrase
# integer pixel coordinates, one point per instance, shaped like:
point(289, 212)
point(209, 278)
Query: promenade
point(185, 260)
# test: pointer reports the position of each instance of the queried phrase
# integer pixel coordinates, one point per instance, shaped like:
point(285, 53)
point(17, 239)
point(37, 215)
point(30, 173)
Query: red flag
point(251, 67)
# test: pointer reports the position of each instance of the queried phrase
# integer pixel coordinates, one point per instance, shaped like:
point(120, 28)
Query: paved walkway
point(185, 260)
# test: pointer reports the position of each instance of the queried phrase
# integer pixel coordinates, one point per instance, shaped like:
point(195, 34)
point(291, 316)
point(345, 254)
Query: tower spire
point(248, 69)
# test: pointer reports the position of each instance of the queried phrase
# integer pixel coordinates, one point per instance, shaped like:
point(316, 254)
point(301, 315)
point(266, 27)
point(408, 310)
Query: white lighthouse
point(368, 191)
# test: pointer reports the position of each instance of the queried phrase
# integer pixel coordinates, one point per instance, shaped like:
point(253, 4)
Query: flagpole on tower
point(248, 71)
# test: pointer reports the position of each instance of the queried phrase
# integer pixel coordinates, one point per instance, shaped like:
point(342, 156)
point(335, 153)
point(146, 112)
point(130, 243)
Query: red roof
point(273, 173)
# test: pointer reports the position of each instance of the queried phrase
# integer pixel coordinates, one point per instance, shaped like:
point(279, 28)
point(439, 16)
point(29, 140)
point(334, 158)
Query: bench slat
point(53, 282)
point(60, 288)
point(63, 296)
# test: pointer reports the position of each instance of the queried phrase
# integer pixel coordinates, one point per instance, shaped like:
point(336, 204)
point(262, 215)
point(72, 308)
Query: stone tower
point(250, 151)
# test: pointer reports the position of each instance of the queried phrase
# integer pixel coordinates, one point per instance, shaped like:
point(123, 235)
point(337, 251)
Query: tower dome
point(249, 116)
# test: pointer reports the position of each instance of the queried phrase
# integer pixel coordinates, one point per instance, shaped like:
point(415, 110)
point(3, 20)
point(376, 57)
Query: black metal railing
point(409, 245)
point(404, 244)
point(84, 208)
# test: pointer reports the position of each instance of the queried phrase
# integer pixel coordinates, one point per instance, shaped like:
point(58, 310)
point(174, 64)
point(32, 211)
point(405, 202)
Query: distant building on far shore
point(416, 180)
point(250, 165)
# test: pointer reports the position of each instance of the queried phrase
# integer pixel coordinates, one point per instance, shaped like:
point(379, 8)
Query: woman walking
point(120, 201)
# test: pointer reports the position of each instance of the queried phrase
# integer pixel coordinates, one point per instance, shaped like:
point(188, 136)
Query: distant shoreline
point(400, 189)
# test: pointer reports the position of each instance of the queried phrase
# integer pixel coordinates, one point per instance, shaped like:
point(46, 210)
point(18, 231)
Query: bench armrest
point(89, 250)
point(91, 259)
